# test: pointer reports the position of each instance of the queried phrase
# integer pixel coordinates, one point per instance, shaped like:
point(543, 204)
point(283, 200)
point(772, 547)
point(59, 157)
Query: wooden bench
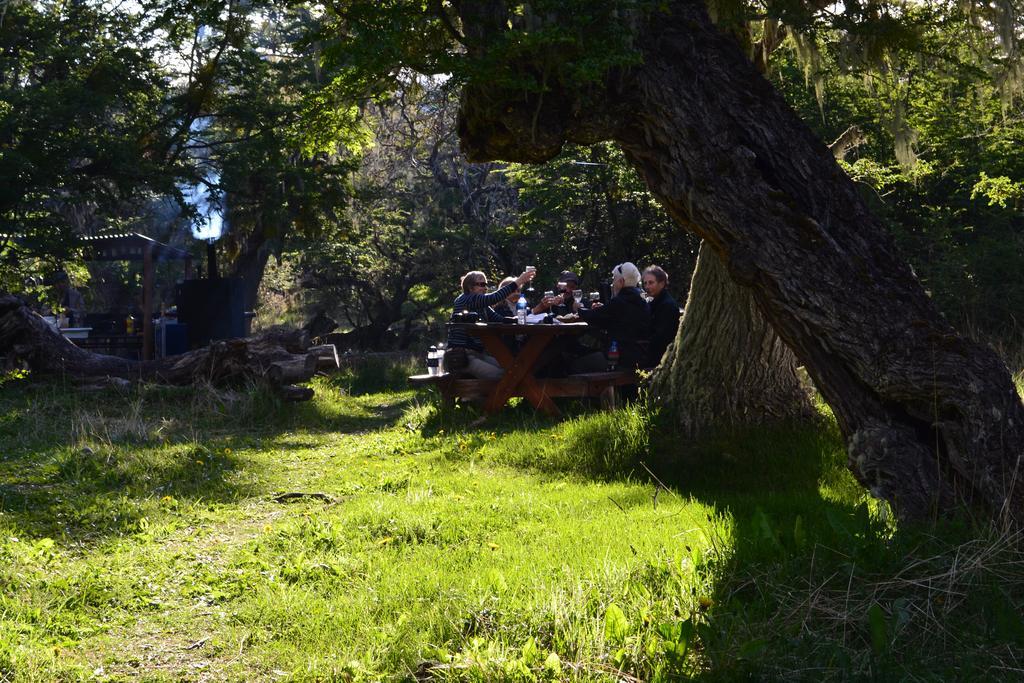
point(587, 385)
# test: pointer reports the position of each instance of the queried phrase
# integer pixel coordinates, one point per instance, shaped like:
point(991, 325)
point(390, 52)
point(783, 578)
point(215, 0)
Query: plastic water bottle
point(521, 307)
point(432, 361)
point(613, 356)
point(440, 358)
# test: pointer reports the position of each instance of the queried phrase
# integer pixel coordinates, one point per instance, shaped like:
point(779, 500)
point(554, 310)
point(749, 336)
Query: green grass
point(140, 540)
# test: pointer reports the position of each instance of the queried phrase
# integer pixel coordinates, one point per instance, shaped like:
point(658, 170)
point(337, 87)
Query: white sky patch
point(209, 223)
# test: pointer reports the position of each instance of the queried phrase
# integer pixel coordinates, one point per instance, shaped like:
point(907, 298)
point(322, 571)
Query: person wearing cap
point(562, 302)
point(625, 319)
point(664, 314)
point(475, 298)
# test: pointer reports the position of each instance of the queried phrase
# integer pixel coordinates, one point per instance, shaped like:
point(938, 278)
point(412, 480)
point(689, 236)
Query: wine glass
point(529, 292)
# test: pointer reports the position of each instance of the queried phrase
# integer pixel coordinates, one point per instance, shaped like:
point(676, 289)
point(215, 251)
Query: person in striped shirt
point(475, 298)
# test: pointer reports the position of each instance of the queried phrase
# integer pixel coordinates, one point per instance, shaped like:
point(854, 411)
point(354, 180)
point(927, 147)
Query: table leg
point(518, 378)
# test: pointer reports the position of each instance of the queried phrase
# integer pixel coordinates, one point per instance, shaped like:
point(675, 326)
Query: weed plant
point(143, 537)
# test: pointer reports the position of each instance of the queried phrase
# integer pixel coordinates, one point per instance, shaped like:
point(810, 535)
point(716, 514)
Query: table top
point(75, 332)
point(110, 339)
point(478, 329)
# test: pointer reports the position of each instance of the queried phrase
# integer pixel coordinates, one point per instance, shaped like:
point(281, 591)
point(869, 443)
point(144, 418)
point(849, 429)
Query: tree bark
point(932, 421)
point(250, 264)
point(726, 368)
point(278, 357)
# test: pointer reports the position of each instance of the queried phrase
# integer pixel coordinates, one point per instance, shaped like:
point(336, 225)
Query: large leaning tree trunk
point(726, 368)
point(279, 357)
point(931, 420)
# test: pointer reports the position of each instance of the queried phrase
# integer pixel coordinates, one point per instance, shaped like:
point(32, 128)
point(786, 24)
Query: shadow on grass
point(790, 467)
point(810, 581)
point(469, 417)
point(817, 582)
point(370, 414)
point(376, 375)
point(583, 442)
point(80, 466)
point(86, 494)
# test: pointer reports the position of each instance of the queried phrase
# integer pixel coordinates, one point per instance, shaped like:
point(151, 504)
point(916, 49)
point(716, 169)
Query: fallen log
point(326, 356)
point(278, 357)
point(290, 339)
point(296, 369)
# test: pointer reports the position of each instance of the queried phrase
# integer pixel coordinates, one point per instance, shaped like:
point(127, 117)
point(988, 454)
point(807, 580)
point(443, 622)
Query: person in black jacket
point(474, 298)
point(664, 314)
point(626, 320)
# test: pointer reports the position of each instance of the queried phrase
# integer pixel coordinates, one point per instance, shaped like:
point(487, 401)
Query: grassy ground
point(141, 538)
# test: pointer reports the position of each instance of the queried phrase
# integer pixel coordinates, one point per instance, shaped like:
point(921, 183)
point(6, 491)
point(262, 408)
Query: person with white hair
point(507, 308)
point(626, 320)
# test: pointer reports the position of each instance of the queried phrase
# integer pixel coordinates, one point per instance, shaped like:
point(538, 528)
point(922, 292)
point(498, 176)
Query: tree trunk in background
point(727, 368)
point(250, 264)
point(932, 421)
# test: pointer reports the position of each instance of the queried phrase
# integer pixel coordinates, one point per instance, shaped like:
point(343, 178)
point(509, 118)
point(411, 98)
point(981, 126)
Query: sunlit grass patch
point(594, 444)
point(485, 562)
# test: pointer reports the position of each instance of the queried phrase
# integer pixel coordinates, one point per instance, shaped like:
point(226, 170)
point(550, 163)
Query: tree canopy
point(266, 107)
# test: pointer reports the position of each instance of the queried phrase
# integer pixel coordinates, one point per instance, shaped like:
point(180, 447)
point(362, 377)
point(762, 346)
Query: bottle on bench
point(432, 361)
point(613, 356)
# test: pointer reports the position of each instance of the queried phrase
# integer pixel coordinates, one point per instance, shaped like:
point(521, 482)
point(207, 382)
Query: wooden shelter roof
point(130, 246)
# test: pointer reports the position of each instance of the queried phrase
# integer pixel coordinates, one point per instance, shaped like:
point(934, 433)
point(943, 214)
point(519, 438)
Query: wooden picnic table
point(539, 345)
point(537, 348)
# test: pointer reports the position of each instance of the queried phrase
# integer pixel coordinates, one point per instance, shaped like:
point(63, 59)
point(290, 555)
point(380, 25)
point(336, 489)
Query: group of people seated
point(641, 323)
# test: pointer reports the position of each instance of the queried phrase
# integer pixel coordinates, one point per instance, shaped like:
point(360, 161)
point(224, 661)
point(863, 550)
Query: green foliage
point(82, 95)
point(403, 225)
point(272, 113)
point(953, 210)
point(13, 376)
point(928, 87)
point(998, 191)
point(111, 115)
point(593, 211)
point(520, 46)
point(616, 627)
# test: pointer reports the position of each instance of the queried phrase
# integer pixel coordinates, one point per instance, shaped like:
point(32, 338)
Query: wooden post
point(147, 303)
